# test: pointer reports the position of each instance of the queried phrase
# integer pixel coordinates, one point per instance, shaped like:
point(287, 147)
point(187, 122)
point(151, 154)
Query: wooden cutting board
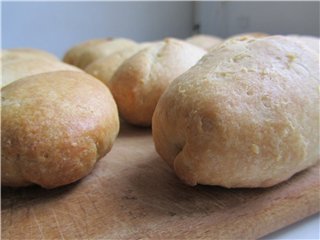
point(132, 194)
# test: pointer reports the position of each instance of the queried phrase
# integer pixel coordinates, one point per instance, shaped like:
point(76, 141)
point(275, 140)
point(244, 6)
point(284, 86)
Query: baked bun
point(204, 41)
point(104, 68)
point(25, 53)
point(13, 70)
point(140, 80)
point(247, 115)
point(55, 126)
point(73, 54)
point(91, 52)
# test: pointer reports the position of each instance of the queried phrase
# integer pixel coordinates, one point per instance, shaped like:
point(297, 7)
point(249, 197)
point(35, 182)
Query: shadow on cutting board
point(157, 188)
point(129, 130)
point(31, 195)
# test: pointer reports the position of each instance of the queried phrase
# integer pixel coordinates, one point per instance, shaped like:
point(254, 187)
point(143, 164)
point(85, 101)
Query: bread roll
point(13, 70)
point(25, 53)
point(204, 41)
point(73, 54)
point(95, 51)
point(55, 126)
point(140, 80)
point(246, 115)
point(104, 68)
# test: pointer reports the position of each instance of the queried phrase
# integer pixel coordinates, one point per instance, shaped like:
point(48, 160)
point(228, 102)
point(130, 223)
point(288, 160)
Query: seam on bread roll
point(140, 80)
point(95, 52)
point(104, 68)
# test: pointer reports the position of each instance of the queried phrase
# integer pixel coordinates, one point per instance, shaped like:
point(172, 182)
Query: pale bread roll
point(25, 53)
point(247, 115)
point(13, 70)
point(104, 68)
point(140, 80)
point(73, 54)
point(94, 52)
point(204, 41)
point(54, 127)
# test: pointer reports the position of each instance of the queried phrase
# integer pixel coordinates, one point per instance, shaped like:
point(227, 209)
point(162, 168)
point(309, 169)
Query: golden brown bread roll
point(91, 52)
point(73, 54)
point(104, 68)
point(140, 80)
point(13, 70)
point(204, 41)
point(246, 115)
point(55, 126)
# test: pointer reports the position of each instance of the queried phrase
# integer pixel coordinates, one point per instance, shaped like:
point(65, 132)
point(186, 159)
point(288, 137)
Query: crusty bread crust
point(247, 115)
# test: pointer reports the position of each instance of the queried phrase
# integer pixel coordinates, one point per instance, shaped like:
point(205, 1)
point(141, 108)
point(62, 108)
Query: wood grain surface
point(133, 194)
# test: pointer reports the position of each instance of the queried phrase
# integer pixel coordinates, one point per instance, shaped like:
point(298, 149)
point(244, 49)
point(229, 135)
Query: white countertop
point(308, 228)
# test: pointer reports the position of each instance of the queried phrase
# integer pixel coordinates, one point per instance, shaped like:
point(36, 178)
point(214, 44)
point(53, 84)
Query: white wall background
point(56, 26)
point(228, 18)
